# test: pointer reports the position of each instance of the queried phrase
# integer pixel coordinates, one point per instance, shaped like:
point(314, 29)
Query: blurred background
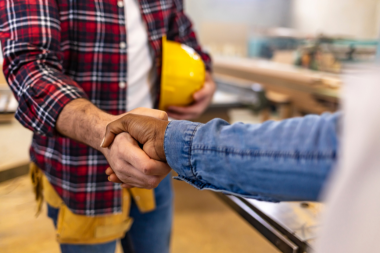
point(273, 59)
point(294, 49)
point(255, 28)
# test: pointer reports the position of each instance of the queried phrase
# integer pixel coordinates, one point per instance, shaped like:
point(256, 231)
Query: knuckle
point(148, 187)
point(109, 127)
point(153, 183)
point(139, 110)
point(147, 170)
point(123, 136)
point(118, 166)
point(127, 136)
point(163, 115)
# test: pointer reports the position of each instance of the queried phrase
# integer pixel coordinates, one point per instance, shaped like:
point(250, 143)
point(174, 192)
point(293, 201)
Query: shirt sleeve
point(274, 161)
point(30, 38)
point(181, 30)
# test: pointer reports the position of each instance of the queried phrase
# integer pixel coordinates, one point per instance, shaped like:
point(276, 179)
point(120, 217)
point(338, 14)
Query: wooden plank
point(302, 86)
point(275, 74)
point(14, 172)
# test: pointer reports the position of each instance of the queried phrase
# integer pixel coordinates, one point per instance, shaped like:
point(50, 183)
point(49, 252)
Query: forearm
point(82, 121)
point(275, 161)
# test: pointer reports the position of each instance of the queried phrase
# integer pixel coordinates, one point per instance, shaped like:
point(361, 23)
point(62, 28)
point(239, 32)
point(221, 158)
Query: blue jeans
point(150, 232)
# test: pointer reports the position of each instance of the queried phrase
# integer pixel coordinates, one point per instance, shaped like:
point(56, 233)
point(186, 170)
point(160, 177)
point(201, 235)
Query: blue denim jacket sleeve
point(274, 161)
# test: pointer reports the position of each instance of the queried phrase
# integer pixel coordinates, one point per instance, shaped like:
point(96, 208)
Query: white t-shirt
point(140, 59)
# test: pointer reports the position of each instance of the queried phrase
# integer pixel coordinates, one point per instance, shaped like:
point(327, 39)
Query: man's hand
point(84, 122)
point(132, 165)
point(202, 99)
point(140, 168)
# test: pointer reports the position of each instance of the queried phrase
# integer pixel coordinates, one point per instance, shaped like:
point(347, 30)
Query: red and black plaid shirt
point(59, 50)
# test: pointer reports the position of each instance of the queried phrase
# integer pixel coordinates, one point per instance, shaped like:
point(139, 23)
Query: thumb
point(121, 125)
point(201, 94)
point(135, 125)
point(114, 128)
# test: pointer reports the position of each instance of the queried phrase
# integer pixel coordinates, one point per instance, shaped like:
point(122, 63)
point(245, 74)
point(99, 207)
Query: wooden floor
point(20, 230)
point(14, 145)
point(202, 223)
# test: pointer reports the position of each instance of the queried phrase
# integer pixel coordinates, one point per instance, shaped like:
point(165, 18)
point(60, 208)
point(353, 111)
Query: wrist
point(100, 130)
point(160, 139)
point(82, 121)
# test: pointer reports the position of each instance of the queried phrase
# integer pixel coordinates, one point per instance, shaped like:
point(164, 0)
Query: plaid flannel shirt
point(59, 50)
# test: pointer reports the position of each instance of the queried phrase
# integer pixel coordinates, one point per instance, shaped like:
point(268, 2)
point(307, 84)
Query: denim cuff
point(177, 145)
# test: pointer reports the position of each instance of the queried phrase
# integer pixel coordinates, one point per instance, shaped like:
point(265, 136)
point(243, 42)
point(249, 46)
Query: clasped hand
point(131, 165)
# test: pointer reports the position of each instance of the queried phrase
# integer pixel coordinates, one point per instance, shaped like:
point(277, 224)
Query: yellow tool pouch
point(80, 229)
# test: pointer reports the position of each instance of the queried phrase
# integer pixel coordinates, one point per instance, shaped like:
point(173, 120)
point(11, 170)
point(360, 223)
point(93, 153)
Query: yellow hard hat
point(183, 73)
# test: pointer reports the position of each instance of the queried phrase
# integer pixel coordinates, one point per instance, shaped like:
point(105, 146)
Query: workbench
point(305, 88)
point(290, 226)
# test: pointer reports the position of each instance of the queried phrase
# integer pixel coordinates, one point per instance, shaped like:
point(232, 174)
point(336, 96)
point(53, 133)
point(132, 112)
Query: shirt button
point(120, 4)
point(122, 85)
point(123, 45)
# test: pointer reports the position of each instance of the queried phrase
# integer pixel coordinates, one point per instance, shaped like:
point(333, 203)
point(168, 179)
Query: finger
point(140, 181)
point(187, 113)
point(133, 165)
point(202, 93)
point(178, 116)
point(128, 185)
point(208, 89)
point(158, 114)
point(150, 183)
point(156, 168)
point(112, 130)
point(140, 160)
point(131, 176)
point(115, 179)
point(197, 107)
point(109, 171)
point(137, 163)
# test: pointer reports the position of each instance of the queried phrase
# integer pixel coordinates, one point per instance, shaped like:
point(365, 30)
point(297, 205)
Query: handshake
point(130, 165)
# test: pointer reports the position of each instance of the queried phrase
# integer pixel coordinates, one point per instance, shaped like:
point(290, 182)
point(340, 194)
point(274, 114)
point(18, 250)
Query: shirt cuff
point(45, 126)
point(179, 137)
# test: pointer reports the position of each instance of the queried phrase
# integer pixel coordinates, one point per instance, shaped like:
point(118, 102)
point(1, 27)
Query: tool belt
point(80, 229)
